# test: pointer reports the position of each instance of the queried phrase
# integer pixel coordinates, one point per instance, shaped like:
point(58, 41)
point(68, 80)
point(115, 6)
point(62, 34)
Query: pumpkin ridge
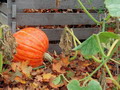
point(34, 38)
point(29, 54)
point(29, 47)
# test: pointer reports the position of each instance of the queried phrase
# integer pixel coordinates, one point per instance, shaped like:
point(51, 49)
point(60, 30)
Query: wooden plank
point(3, 19)
point(54, 18)
point(54, 47)
point(3, 8)
point(81, 33)
point(64, 4)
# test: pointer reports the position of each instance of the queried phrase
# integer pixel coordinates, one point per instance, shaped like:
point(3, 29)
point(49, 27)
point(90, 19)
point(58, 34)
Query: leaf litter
point(54, 75)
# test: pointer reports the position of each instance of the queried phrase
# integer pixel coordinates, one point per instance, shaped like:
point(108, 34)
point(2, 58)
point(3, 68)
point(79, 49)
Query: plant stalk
point(86, 11)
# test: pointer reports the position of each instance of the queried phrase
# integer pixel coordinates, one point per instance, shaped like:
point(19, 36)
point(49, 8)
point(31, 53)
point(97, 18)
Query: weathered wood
point(54, 47)
point(54, 18)
point(64, 4)
point(3, 19)
point(81, 33)
point(3, 8)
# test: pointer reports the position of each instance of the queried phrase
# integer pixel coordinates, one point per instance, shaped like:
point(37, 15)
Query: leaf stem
point(86, 11)
point(65, 78)
point(94, 71)
point(95, 59)
point(112, 47)
point(115, 61)
point(114, 81)
point(73, 35)
point(100, 47)
point(75, 44)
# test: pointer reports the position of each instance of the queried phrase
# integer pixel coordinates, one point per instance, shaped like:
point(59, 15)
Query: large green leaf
point(74, 85)
point(113, 7)
point(94, 85)
point(89, 47)
point(106, 36)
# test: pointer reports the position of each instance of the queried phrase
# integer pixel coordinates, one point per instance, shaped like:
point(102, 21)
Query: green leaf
point(74, 85)
point(94, 85)
point(58, 80)
point(89, 47)
point(70, 74)
point(106, 36)
point(113, 7)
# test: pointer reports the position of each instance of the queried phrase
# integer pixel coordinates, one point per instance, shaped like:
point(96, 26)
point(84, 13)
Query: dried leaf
point(55, 86)
point(26, 69)
point(15, 66)
point(65, 60)
point(46, 77)
point(19, 79)
point(58, 67)
point(66, 42)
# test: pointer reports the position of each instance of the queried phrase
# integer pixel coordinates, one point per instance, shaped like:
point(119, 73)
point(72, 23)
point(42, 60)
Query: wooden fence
point(11, 14)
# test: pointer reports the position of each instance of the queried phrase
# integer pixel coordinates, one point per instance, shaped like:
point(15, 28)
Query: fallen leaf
point(19, 79)
point(58, 67)
point(39, 78)
point(15, 66)
point(26, 70)
point(55, 86)
point(65, 60)
point(46, 77)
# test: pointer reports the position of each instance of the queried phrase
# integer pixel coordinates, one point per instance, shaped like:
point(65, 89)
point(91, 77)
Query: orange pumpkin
point(32, 44)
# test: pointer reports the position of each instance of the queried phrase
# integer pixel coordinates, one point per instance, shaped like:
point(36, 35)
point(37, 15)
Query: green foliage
point(113, 7)
point(58, 80)
point(74, 85)
point(89, 47)
point(106, 36)
point(92, 85)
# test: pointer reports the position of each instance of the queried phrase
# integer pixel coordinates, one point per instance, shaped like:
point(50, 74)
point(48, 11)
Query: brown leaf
point(58, 67)
point(15, 66)
point(66, 42)
point(65, 60)
point(46, 77)
point(19, 79)
point(53, 85)
point(26, 70)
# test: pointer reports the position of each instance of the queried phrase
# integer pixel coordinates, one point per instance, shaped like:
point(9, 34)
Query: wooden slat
point(54, 18)
point(54, 47)
point(3, 8)
point(64, 4)
point(3, 19)
point(81, 33)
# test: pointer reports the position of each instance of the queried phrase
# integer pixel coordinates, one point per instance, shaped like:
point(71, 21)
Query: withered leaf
point(66, 42)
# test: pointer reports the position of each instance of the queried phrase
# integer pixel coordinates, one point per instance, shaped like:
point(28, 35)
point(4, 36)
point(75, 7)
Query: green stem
point(86, 11)
point(107, 18)
point(103, 26)
point(112, 47)
point(65, 78)
point(115, 61)
point(73, 35)
point(94, 71)
point(108, 71)
point(95, 59)
point(114, 81)
point(75, 44)
point(100, 47)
